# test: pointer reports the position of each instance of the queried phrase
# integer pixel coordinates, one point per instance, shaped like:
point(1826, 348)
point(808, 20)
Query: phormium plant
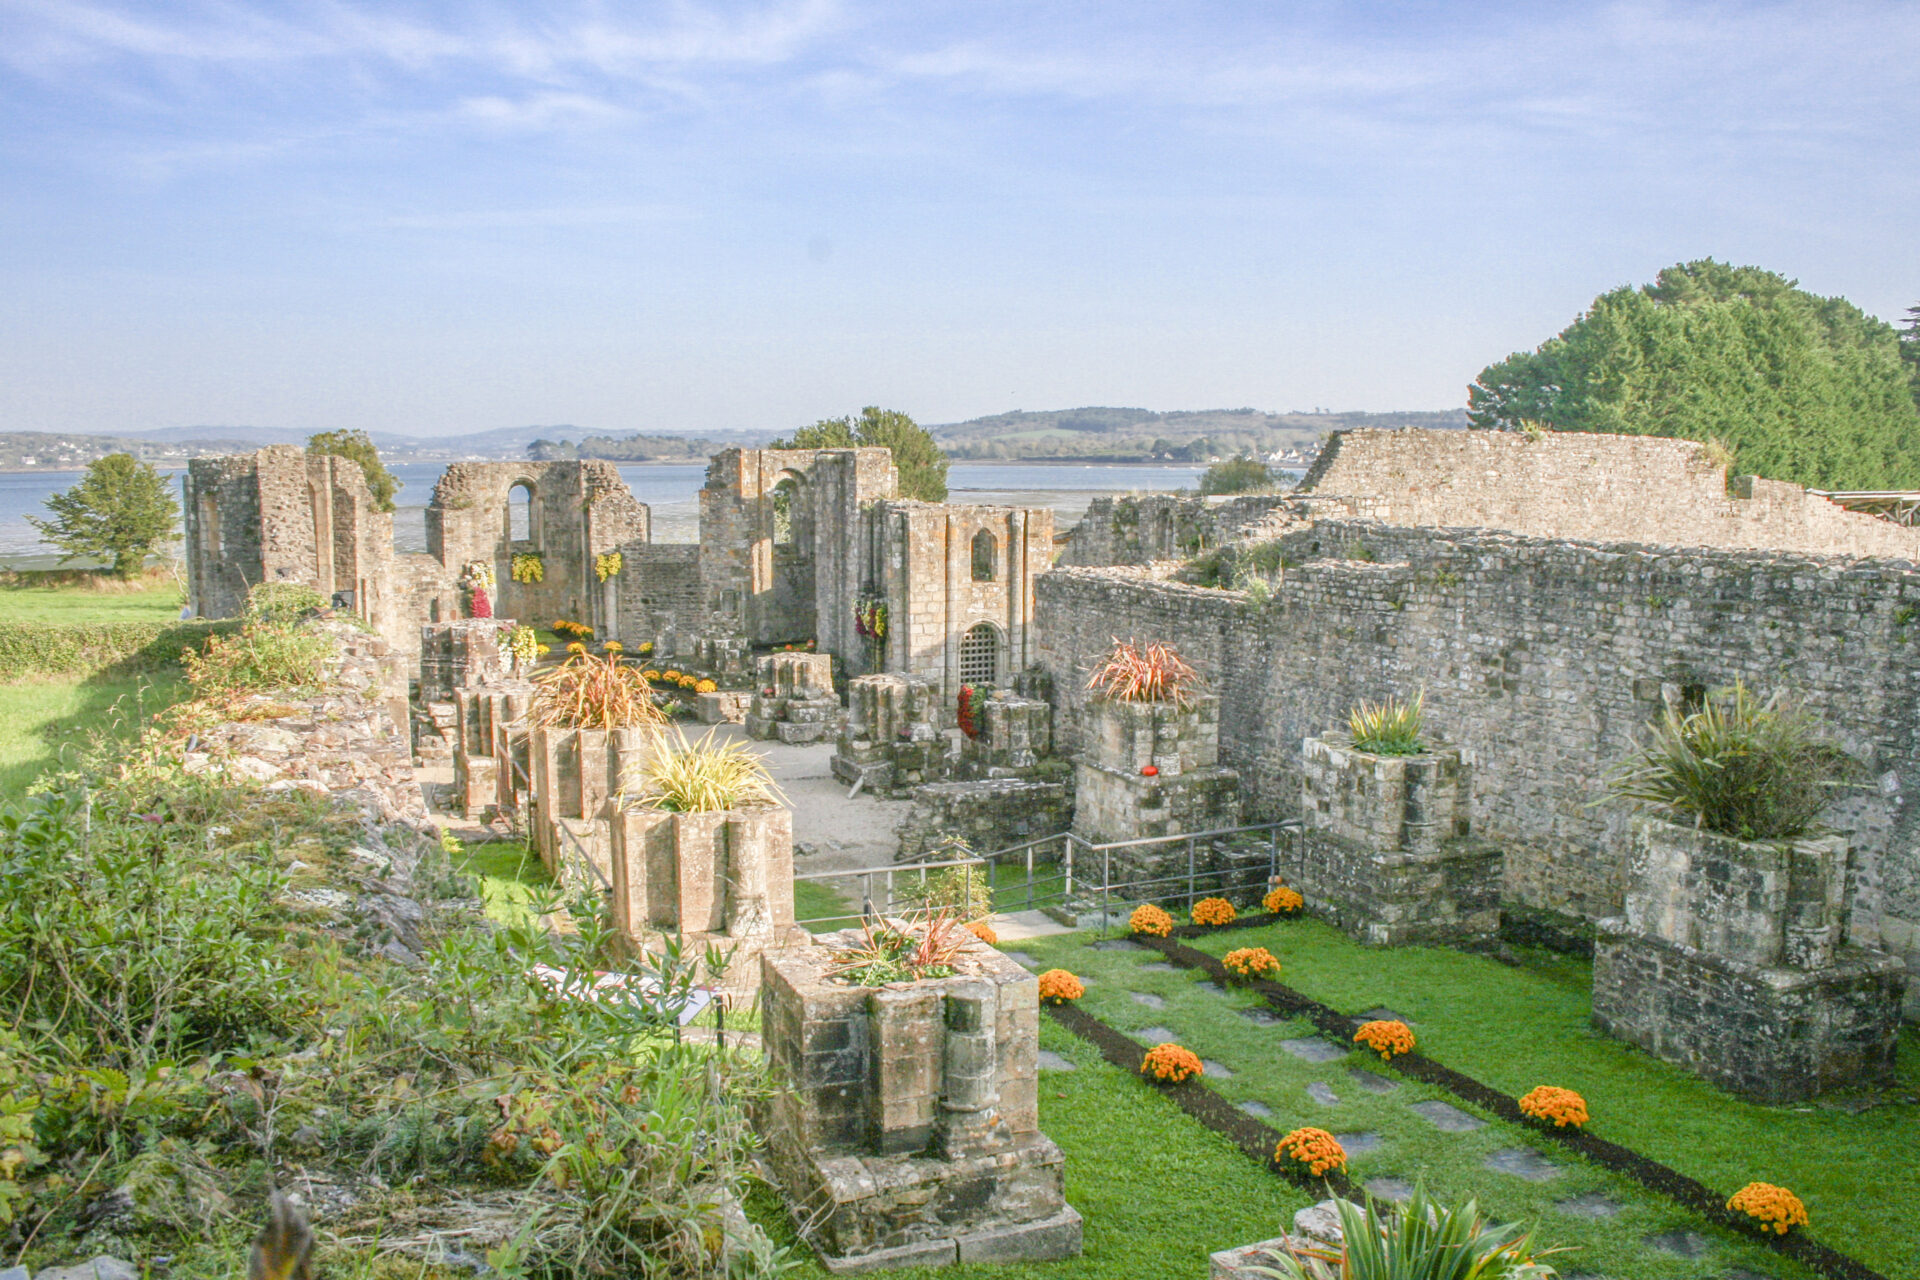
point(1388, 728)
point(700, 776)
point(1152, 673)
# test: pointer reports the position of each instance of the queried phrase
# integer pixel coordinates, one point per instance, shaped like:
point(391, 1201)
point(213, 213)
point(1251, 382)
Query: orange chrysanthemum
point(1057, 986)
point(1251, 962)
point(1317, 1149)
point(984, 931)
point(1151, 920)
point(1386, 1038)
point(1213, 912)
point(1283, 901)
point(1776, 1209)
point(1171, 1063)
point(1562, 1107)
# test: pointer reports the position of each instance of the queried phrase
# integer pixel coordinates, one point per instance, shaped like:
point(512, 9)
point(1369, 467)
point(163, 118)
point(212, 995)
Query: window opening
point(520, 513)
point(783, 513)
point(986, 556)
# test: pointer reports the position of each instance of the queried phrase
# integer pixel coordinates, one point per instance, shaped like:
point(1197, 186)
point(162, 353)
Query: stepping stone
point(1382, 1014)
point(1216, 1070)
point(1448, 1118)
point(1148, 999)
point(1154, 1035)
point(1358, 1144)
point(1738, 1273)
point(1260, 1016)
point(1022, 959)
point(1051, 1061)
point(1591, 1205)
point(1313, 1049)
point(1258, 1110)
point(1679, 1242)
point(1398, 1190)
point(1323, 1094)
point(1370, 1082)
point(1522, 1162)
point(1158, 967)
point(1213, 988)
point(1116, 944)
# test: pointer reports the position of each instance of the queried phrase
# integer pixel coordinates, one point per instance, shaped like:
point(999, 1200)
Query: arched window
point(986, 557)
point(980, 655)
point(520, 512)
point(783, 494)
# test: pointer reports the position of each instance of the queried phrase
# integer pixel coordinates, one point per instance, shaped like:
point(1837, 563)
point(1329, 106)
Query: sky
point(434, 218)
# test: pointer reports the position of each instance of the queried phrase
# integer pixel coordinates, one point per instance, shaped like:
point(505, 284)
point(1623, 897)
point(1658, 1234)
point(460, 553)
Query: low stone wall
point(995, 813)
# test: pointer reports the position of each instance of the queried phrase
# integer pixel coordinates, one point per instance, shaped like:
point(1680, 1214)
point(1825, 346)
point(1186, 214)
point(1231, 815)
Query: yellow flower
point(706, 686)
point(1282, 901)
point(1171, 1062)
point(1251, 962)
point(1317, 1149)
point(1057, 986)
point(984, 931)
point(614, 646)
point(1563, 1107)
point(1151, 920)
point(576, 647)
point(1385, 1038)
point(650, 674)
point(1213, 912)
point(1776, 1209)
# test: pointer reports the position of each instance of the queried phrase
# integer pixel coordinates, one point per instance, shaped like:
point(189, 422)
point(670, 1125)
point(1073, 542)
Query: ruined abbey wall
point(1540, 659)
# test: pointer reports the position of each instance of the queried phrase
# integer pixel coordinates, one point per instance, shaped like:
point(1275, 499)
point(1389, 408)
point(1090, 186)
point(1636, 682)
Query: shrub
point(586, 692)
point(260, 656)
point(1171, 1063)
point(32, 649)
point(1156, 673)
point(1248, 963)
point(281, 604)
point(1057, 986)
point(926, 948)
point(1563, 1108)
point(1419, 1240)
point(1776, 1209)
point(1317, 1149)
point(1737, 766)
point(706, 686)
point(1389, 728)
point(1282, 901)
point(1236, 475)
point(1150, 920)
point(1214, 912)
point(1388, 1039)
point(707, 776)
point(965, 891)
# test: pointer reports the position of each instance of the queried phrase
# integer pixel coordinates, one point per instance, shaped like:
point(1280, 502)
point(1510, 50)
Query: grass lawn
point(1158, 1192)
point(509, 874)
point(813, 899)
point(156, 600)
point(1513, 1029)
point(42, 719)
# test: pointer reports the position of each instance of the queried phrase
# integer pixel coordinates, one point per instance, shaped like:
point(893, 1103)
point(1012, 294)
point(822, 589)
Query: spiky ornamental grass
point(1736, 765)
point(1390, 727)
point(1420, 1240)
point(704, 776)
point(1153, 673)
point(586, 692)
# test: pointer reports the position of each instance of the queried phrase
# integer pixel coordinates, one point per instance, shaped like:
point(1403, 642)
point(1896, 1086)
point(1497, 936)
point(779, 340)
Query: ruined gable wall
point(1541, 659)
point(1580, 485)
point(1141, 529)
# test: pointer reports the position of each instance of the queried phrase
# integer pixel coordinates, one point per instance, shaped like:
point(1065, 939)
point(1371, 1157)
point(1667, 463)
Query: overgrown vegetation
point(966, 892)
point(1752, 769)
point(1151, 673)
point(1243, 566)
point(594, 692)
point(922, 464)
point(1236, 475)
point(358, 447)
point(269, 651)
point(1390, 727)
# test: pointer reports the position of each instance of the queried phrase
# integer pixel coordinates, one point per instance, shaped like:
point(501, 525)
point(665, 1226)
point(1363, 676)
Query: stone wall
point(1541, 660)
point(1173, 526)
point(990, 815)
point(1581, 485)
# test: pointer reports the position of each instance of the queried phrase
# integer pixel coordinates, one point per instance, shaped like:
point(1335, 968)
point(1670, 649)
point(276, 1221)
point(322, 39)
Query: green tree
point(1802, 387)
point(1910, 348)
point(356, 446)
point(923, 467)
point(1236, 475)
point(117, 512)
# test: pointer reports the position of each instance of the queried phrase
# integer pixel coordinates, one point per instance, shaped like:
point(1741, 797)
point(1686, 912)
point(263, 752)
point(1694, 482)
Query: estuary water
point(670, 489)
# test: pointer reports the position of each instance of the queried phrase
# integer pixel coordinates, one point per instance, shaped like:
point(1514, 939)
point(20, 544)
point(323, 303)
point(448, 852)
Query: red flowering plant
point(968, 725)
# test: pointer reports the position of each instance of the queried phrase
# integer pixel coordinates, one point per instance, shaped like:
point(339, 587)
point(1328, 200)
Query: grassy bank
point(45, 723)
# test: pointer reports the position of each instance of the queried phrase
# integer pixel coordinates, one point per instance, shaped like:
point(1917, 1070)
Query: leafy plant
point(1419, 1240)
point(281, 604)
point(1155, 673)
point(120, 511)
point(1736, 765)
point(1388, 728)
point(1236, 475)
point(588, 692)
point(925, 947)
point(358, 446)
point(704, 776)
point(965, 891)
point(268, 652)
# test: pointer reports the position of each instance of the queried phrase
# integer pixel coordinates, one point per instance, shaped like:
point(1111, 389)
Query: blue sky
point(646, 217)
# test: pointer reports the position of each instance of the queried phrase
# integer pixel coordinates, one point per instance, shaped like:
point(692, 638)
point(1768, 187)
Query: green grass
point(509, 873)
point(815, 898)
point(1158, 1192)
point(1513, 1029)
point(66, 605)
point(44, 721)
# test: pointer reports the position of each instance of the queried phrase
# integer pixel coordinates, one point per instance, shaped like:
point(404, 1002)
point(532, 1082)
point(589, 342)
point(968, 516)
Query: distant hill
point(53, 451)
point(1122, 434)
point(634, 448)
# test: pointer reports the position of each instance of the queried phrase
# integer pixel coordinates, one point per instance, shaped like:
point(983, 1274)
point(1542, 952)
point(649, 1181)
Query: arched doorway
point(980, 655)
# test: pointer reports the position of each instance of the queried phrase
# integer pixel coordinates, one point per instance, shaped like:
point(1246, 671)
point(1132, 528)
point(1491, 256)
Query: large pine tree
point(1803, 388)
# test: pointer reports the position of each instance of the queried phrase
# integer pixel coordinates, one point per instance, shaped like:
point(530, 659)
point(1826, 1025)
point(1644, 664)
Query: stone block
point(1762, 902)
point(994, 814)
point(723, 706)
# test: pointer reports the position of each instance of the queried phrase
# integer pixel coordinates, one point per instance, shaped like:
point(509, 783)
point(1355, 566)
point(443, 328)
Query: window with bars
point(980, 655)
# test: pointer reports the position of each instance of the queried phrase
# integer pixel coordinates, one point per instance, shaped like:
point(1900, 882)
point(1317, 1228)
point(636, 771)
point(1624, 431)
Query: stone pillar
point(890, 736)
point(793, 698)
point(1188, 790)
point(575, 773)
point(1388, 852)
point(1014, 732)
point(1732, 960)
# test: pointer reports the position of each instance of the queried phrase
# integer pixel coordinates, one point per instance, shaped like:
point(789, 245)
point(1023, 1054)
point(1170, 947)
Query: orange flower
point(1776, 1209)
point(1171, 1062)
point(1385, 1038)
point(1563, 1107)
point(1317, 1149)
point(1149, 919)
point(1213, 911)
point(1057, 986)
point(984, 931)
point(1251, 962)
point(1282, 901)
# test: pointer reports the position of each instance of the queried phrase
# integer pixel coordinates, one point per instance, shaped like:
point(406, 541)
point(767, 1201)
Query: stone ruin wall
point(1580, 485)
point(1541, 659)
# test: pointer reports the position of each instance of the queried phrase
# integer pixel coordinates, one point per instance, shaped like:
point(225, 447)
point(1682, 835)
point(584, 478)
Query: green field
point(27, 598)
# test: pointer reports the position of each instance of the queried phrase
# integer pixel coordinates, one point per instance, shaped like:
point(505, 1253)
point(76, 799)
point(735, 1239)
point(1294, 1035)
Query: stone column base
point(1770, 1034)
point(1399, 897)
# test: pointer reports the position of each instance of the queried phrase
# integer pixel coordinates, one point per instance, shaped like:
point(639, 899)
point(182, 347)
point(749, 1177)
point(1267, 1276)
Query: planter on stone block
point(725, 872)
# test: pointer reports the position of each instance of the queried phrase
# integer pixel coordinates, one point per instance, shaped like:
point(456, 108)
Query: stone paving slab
point(1051, 1061)
point(1381, 1013)
point(1398, 1190)
point(1523, 1162)
point(1313, 1049)
point(1022, 959)
point(1448, 1118)
point(1593, 1204)
point(1258, 1110)
point(1148, 999)
point(1260, 1016)
point(1679, 1242)
point(1154, 1035)
point(1217, 1070)
point(1323, 1094)
point(1158, 966)
point(1115, 944)
point(1358, 1144)
point(1371, 1082)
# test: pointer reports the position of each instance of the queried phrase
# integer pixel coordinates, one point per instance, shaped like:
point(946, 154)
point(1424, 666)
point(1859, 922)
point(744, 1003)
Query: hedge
point(38, 649)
